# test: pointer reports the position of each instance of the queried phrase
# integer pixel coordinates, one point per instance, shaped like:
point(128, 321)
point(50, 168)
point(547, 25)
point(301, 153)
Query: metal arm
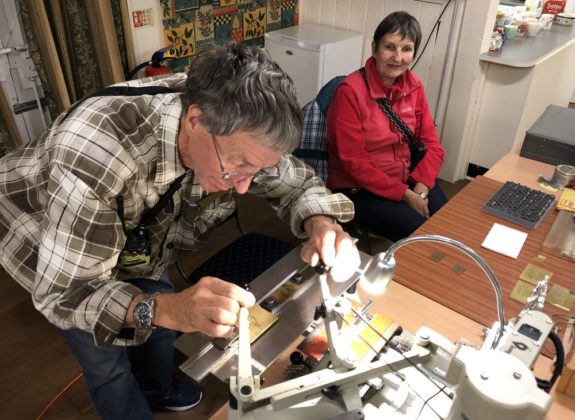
point(385, 263)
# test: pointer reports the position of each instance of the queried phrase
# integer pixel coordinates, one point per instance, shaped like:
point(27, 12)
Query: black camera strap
point(154, 211)
point(123, 91)
point(136, 91)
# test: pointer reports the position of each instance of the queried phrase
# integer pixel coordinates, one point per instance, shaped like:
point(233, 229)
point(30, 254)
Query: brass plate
point(521, 291)
point(561, 297)
point(437, 256)
point(285, 291)
point(260, 321)
point(534, 274)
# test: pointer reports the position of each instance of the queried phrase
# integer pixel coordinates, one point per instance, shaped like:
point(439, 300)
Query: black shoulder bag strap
point(416, 148)
point(394, 118)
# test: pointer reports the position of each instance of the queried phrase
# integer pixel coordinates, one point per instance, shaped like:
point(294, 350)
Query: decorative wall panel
point(193, 25)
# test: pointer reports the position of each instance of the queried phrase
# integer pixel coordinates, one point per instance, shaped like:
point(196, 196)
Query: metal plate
point(294, 316)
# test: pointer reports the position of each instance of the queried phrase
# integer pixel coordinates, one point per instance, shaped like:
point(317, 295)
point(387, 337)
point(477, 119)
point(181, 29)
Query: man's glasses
point(264, 175)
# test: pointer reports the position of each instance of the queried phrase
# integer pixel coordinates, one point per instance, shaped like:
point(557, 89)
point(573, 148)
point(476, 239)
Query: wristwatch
point(424, 195)
point(144, 311)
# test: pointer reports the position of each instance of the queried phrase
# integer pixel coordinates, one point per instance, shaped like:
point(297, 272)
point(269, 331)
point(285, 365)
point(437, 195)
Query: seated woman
point(369, 157)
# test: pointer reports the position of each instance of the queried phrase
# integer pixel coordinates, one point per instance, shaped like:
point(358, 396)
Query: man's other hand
point(330, 243)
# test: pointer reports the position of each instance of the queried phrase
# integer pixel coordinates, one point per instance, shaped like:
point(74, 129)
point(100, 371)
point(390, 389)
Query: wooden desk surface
point(513, 167)
point(457, 281)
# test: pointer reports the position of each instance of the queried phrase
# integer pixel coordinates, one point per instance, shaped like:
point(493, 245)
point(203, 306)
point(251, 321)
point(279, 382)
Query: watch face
point(143, 314)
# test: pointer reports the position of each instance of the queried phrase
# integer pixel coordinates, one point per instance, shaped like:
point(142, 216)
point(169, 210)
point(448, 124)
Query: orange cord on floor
point(58, 395)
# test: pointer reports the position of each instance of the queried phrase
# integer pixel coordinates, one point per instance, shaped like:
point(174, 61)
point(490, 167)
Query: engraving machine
point(423, 376)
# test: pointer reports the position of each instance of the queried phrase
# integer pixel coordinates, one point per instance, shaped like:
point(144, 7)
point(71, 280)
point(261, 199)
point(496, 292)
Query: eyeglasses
point(263, 175)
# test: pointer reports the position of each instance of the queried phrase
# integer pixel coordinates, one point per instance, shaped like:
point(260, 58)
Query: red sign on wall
point(138, 18)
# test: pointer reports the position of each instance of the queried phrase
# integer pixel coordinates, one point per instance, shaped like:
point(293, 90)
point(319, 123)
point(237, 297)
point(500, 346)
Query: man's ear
point(190, 121)
point(193, 115)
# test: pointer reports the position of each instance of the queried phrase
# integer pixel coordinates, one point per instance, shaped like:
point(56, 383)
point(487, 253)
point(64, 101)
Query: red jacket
point(365, 149)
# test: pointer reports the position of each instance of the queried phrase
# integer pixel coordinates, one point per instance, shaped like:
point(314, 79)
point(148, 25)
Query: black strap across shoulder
point(137, 91)
point(393, 117)
point(124, 91)
point(163, 201)
point(158, 207)
point(417, 149)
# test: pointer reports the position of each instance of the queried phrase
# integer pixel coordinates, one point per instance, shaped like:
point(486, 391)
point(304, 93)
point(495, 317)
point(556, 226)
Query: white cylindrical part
point(495, 385)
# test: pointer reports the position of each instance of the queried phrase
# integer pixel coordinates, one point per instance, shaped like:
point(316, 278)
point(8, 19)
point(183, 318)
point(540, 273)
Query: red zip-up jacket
point(365, 149)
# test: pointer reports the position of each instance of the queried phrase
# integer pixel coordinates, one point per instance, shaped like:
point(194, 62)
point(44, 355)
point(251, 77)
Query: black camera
point(138, 248)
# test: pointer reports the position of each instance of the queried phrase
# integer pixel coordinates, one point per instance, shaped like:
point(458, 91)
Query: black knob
point(296, 358)
point(320, 312)
point(321, 268)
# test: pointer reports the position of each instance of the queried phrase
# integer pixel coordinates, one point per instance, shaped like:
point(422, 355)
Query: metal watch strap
point(150, 301)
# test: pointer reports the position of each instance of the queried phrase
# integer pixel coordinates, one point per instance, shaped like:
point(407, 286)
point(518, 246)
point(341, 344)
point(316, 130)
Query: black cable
point(413, 365)
point(546, 385)
point(436, 25)
point(426, 402)
point(136, 70)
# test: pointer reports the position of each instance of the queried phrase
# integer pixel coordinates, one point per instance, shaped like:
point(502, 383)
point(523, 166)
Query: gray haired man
point(72, 205)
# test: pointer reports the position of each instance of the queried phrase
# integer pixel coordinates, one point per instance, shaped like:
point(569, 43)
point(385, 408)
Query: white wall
point(149, 38)
point(462, 110)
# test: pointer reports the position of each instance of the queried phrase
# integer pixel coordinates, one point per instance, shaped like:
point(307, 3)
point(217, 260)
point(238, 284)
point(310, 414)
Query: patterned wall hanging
point(191, 26)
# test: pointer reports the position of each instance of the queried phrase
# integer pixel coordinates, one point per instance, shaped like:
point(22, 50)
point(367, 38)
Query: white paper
point(505, 240)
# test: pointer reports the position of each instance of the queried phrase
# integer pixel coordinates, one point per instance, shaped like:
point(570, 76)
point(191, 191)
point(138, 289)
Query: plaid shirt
point(60, 233)
point(313, 141)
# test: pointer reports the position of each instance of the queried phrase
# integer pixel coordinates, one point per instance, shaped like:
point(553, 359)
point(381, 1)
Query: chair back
point(313, 140)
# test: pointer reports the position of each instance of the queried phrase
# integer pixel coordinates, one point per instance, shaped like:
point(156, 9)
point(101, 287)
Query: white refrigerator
point(313, 54)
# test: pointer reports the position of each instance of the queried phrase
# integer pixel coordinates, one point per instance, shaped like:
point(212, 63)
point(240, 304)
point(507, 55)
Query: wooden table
point(456, 281)
point(513, 167)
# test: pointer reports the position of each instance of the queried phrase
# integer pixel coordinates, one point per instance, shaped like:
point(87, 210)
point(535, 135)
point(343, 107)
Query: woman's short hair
point(401, 22)
point(238, 88)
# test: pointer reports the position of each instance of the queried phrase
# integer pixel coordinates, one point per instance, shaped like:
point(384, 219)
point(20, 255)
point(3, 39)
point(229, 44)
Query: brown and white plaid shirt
point(60, 233)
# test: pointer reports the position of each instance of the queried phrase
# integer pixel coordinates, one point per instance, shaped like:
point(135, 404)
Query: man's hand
point(211, 306)
point(414, 200)
point(328, 242)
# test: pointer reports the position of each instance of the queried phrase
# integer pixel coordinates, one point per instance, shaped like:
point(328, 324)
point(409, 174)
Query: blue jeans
point(394, 220)
point(124, 381)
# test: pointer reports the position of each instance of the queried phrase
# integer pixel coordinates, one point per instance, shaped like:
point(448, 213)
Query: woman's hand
point(330, 243)
point(420, 188)
point(416, 202)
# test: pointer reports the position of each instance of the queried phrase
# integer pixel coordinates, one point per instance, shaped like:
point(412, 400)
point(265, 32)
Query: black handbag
point(417, 149)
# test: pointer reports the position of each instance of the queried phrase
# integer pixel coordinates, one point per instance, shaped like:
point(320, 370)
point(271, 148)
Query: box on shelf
point(550, 139)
